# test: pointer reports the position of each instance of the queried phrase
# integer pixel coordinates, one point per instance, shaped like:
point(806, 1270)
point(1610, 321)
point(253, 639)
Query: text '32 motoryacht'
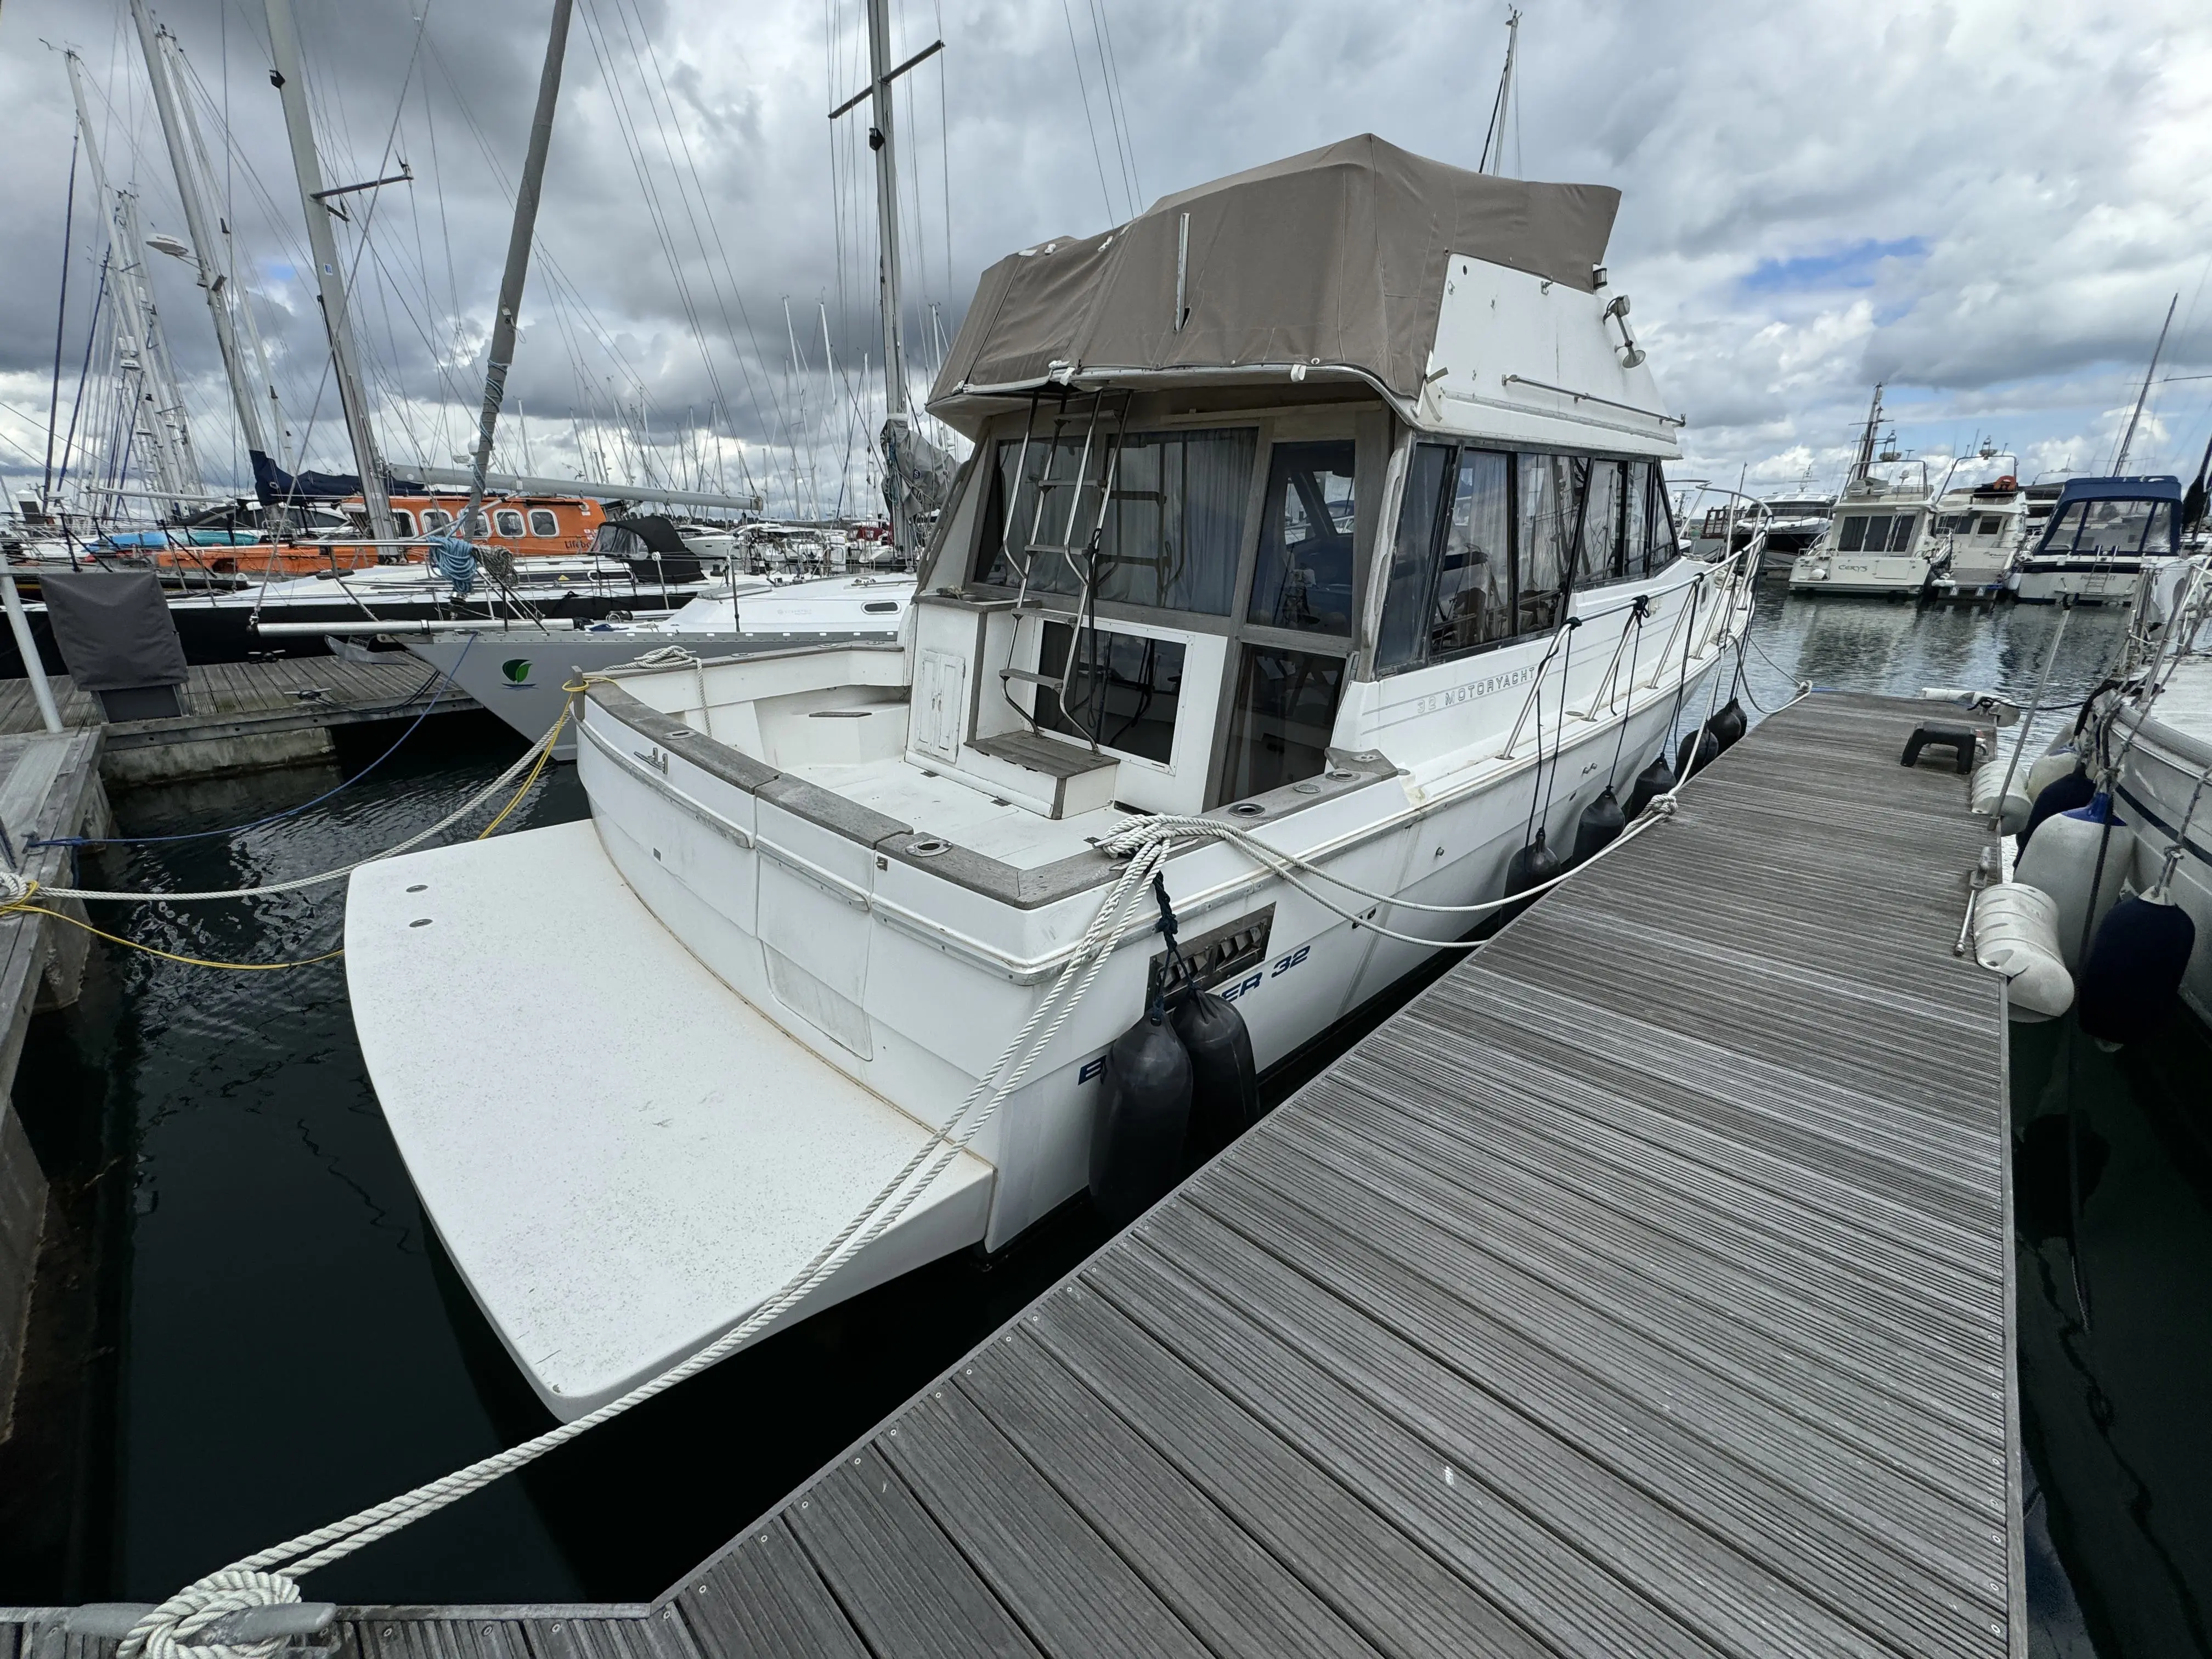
point(1322, 503)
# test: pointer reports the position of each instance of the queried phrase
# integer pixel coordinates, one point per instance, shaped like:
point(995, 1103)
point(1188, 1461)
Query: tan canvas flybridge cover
point(1335, 258)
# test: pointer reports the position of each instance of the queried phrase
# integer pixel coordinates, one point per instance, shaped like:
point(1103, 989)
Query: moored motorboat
point(1345, 586)
point(2101, 535)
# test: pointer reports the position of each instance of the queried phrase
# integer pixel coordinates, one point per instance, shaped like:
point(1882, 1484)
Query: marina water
point(257, 1334)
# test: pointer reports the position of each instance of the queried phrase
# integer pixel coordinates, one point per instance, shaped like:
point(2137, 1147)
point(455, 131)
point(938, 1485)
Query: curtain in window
point(1403, 638)
point(1599, 559)
point(1171, 537)
point(1548, 502)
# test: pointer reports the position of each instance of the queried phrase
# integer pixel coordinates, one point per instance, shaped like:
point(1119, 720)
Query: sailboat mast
point(158, 410)
point(2127, 437)
point(880, 139)
point(517, 257)
point(330, 281)
point(1493, 141)
point(197, 227)
point(1861, 467)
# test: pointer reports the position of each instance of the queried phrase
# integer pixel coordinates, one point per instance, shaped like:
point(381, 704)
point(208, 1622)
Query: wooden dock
point(49, 787)
point(242, 717)
point(1644, 1287)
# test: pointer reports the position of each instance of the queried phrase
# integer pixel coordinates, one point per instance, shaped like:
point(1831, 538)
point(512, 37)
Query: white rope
point(168, 1631)
point(13, 888)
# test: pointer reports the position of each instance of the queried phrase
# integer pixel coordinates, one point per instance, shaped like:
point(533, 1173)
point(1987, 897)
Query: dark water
point(258, 1336)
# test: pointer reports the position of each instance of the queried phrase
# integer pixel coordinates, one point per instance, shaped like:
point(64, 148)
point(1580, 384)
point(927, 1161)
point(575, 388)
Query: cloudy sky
point(1988, 207)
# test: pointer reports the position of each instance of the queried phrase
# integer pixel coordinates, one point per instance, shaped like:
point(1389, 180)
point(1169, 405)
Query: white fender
point(2061, 860)
point(2017, 934)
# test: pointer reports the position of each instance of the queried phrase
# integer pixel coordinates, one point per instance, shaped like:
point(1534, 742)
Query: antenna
point(1493, 141)
point(2127, 438)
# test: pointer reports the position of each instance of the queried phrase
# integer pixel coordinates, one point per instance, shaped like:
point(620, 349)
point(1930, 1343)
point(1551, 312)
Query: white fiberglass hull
point(2159, 784)
point(2109, 581)
point(1897, 575)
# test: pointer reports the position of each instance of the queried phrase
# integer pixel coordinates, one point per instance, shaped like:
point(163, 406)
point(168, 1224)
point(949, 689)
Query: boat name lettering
point(1251, 982)
point(1091, 1069)
point(1475, 690)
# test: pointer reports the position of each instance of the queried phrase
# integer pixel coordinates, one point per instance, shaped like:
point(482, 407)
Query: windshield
point(2111, 528)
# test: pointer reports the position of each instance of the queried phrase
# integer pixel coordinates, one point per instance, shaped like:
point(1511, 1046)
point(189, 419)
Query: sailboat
point(1369, 560)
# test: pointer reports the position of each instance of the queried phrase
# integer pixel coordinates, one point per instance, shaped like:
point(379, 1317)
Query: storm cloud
point(1986, 207)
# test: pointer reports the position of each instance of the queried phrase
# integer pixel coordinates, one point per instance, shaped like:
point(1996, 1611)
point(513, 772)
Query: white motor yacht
point(2101, 535)
point(1982, 528)
point(1881, 538)
point(1365, 559)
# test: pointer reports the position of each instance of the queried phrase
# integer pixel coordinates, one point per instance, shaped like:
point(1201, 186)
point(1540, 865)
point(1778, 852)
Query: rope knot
point(15, 889)
point(168, 1631)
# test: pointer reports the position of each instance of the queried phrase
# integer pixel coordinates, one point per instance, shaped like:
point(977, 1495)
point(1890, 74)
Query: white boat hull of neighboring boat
point(518, 673)
point(2159, 784)
point(2038, 581)
point(1896, 574)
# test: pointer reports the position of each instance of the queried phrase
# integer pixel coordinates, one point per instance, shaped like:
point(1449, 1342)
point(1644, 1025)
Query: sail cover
point(1335, 258)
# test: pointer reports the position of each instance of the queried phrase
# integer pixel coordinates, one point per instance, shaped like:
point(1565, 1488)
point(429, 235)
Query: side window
point(507, 522)
point(1303, 577)
point(1635, 520)
point(1279, 725)
point(1412, 553)
point(1473, 600)
point(435, 521)
point(402, 521)
point(1599, 559)
point(1546, 505)
point(1659, 519)
point(543, 524)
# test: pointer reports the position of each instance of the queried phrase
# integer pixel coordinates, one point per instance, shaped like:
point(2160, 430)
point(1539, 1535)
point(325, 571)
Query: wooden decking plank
point(762, 1599)
point(1460, 1506)
point(898, 1578)
point(1070, 1589)
point(1367, 1562)
point(1233, 1594)
point(1589, 1462)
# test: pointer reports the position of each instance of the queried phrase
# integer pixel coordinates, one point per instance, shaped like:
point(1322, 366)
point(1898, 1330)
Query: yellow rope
point(24, 905)
point(544, 755)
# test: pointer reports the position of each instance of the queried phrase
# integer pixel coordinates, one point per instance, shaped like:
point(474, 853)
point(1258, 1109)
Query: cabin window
point(1451, 570)
point(507, 522)
point(1121, 688)
point(1545, 516)
point(402, 521)
point(1170, 538)
point(435, 521)
point(1303, 580)
point(1988, 526)
point(1280, 722)
point(543, 523)
point(1598, 558)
